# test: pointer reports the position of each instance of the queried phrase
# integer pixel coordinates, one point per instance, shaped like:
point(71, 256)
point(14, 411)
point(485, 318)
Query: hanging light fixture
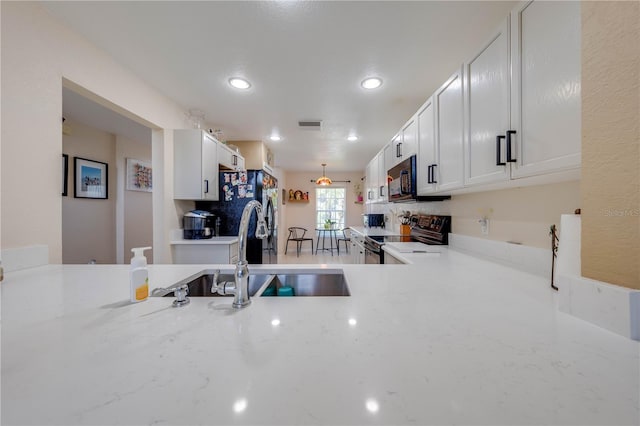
point(324, 180)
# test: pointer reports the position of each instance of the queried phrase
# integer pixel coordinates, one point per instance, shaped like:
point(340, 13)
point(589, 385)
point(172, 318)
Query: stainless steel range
point(427, 229)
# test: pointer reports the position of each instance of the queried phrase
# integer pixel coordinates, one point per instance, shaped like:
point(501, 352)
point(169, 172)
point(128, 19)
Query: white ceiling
point(305, 61)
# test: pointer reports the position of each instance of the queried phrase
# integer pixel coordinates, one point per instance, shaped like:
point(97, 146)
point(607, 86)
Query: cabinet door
point(487, 110)
point(388, 155)
point(370, 184)
point(209, 168)
point(224, 156)
point(409, 139)
point(374, 180)
point(426, 148)
point(396, 146)
point(195, 165)
point(239, 162)
point(449, 172)
point(546, 107)
point(229, 158)
point(382, 177)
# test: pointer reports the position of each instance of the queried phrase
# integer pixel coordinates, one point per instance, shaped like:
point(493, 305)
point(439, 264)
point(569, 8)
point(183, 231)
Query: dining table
point(322, 232)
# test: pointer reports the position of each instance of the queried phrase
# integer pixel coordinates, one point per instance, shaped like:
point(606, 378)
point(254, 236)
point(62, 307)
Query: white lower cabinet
point(357, 248)
point(198, 253)
point(391, 260)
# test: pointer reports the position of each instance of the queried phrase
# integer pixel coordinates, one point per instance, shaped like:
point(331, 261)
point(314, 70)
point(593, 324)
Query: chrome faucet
point(240, 289)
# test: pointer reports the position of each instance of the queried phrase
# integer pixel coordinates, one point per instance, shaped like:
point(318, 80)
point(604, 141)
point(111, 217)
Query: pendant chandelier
point(324, 180)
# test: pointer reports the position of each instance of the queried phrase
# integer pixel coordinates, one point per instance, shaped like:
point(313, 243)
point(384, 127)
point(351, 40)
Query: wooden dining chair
point(346, 239)
point(297, 234)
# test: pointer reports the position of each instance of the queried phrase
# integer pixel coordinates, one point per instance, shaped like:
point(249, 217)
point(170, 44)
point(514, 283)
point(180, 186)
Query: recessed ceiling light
point(371, 83)
point(239, 83)
point(352, 138)
point(275, 138)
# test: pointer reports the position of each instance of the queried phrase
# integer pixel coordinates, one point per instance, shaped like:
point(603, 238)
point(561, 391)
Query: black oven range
point(427, 229)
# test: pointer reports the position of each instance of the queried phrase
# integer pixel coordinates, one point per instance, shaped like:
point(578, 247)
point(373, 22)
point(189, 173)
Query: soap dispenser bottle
point(139, 275)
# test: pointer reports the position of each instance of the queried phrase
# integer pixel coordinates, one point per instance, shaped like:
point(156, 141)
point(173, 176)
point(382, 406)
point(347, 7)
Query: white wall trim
point(525, 258)
point(120, 182)
point(15, 259)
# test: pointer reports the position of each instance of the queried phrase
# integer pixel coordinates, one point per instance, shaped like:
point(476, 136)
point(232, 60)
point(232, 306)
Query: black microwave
point(403, 183)
point(402, 180)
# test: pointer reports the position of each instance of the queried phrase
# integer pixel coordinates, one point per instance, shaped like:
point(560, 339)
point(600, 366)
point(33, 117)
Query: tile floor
point(307, 257)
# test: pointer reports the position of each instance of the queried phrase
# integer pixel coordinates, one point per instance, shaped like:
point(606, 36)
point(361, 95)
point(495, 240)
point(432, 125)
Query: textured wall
point(611, 142)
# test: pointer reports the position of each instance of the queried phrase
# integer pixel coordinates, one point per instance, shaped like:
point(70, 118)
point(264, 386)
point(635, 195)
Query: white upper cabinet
point(546, 87)
point(522, 96)
point(448, 172)
point(512, 111)
point(396, 148)
point(404, 144)
point(229, 159)
point(376, 177)
point(195, 165)
point(382, 175)
point(372, 181)
point(487, 108)
point(427, 149)
point(409, 140)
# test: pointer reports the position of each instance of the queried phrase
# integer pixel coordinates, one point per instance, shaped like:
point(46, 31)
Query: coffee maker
point(198, 225)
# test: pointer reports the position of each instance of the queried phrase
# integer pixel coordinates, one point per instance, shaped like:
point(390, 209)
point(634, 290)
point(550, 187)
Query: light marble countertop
point(375, 231)
point(208, 241)
point(415, 253)
point(452, 340)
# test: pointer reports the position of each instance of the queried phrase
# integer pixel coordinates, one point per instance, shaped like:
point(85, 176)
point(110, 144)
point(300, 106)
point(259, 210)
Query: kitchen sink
point(279, 283)
point(200, 286)
point(307, 284)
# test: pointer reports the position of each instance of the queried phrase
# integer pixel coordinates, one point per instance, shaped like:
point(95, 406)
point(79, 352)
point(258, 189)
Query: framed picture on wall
point(139, 175)
point(65, 173)
point(91, 178)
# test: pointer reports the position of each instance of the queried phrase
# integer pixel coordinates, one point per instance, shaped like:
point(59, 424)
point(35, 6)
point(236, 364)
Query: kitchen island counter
point(454, 339)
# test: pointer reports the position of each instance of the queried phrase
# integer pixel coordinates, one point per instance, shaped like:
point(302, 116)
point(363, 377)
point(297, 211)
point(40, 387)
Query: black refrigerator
point(236, 190)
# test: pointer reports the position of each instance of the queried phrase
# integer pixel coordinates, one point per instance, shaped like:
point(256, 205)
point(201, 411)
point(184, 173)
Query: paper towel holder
point(553, 232)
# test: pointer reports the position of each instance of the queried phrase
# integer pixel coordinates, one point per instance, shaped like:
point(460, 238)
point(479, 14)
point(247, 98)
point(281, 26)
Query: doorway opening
point(118, 150)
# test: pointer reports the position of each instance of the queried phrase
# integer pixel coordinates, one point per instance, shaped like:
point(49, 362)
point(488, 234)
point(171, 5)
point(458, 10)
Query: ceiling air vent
point(310, 124)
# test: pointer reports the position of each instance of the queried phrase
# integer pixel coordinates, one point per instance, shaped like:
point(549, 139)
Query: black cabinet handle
point(498, 153)
point(235, 160)
point(428, 174)
point(433, 173)
point(381, 189)
point(399, 149)
point(509, 158)
point(206, 186)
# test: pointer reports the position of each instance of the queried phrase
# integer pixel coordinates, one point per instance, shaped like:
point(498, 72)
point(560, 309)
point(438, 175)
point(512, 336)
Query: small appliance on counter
point(373, 220)
point(198, 225)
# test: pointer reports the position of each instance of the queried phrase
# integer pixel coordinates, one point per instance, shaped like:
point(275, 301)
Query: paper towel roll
point(568, 261)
